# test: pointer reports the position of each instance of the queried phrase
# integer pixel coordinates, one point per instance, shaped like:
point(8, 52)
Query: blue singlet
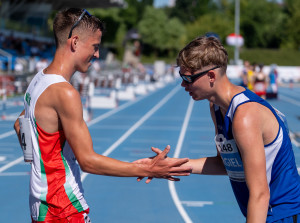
point(282, 175)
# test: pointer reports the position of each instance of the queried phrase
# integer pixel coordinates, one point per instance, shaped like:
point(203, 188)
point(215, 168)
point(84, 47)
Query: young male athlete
point(60, 136)
point(252, 140)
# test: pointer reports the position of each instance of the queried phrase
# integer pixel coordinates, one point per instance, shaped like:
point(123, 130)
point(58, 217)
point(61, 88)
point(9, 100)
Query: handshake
point(161, 166)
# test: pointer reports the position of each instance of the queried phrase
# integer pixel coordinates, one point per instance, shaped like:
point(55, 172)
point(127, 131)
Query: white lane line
point(197, 203)
point(171, 184)
point(135, 126)
point(290, 92)
point(92, 122)
point(7, 134)
point(287, 99)
point(5, 167)
point(293, 139)
point(14, 174)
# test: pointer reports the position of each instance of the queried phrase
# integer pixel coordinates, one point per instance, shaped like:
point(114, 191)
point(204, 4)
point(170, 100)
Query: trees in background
point(163, 31)
point(262, 23)
point(292, 32)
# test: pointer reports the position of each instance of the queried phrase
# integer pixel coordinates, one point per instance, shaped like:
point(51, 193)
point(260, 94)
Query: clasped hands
point(161, 166)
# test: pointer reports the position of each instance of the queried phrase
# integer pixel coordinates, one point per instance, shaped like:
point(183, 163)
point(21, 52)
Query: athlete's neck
point(60, 67)
point(225, 94)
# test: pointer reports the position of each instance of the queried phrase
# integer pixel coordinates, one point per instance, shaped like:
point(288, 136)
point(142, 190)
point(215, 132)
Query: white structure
point(105, 101)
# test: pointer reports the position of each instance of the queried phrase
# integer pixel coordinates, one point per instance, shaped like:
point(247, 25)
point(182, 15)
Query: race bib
point(26, 140)
point(231, 158)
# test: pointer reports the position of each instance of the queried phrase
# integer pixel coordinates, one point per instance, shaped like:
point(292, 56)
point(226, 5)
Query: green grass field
point(281, 57)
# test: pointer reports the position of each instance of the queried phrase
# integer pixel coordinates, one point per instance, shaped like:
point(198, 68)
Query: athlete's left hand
point(167, 159)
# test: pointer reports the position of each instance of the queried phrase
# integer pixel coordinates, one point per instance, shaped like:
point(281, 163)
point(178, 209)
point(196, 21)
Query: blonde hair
point(201, 52)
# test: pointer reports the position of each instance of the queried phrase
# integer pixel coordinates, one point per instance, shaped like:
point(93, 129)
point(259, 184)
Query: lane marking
point(197, 203)
point(7, 134)
point(14, 174)
point(287, 99)
point(135, 126)
point(5, 167)
point(297, 103)
point(293, 139)
point(171, 184)
point(289, 92)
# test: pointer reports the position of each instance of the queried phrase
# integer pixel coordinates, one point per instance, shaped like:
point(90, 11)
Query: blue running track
point(164, 116)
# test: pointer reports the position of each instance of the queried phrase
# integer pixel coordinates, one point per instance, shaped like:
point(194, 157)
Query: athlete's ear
point(212, 76)
point(74, 42)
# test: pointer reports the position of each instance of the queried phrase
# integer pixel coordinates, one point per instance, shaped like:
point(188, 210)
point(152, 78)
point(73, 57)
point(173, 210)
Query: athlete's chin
point(196, 97)
point(84, 69)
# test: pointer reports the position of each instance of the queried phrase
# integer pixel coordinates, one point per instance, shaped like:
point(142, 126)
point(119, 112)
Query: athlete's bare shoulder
point(68, 102)
point(57, 99)
point(65, 96)
point(58, 93)
point(64, 91)
point(253, 116)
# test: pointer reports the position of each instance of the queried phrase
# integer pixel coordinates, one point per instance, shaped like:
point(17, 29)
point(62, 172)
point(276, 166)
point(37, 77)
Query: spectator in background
point(31, 64)
point(132, 56)
point(34, 49)
point(250, 76)
point(273, 75)
point(20, 65)
point(260, 82)
point(18, 46)
point(41, 64)
point(244, 74)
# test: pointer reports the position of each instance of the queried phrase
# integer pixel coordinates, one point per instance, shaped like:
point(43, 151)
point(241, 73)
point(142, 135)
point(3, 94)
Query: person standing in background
point(260, 83)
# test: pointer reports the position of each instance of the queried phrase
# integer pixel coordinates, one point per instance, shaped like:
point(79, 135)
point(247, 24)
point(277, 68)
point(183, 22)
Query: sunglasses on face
point(192, 78)
point(77, 22)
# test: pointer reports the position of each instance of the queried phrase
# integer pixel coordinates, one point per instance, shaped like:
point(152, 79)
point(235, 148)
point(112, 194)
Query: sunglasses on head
point(192, 78)
point(77, 22)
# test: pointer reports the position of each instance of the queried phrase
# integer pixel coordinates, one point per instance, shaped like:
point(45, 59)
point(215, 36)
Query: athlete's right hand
point(162, 166)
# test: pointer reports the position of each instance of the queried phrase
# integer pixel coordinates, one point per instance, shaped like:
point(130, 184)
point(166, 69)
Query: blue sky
point(160, 3)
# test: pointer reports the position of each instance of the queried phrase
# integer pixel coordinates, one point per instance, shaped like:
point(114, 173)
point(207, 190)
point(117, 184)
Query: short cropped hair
point(65, 19)
point(201, 52)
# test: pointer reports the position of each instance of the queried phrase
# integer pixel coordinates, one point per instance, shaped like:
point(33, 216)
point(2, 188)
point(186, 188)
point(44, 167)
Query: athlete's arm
point(209, 165)
point(247, 130)
point(17, 127)
point(69, 109)
point(206, 165)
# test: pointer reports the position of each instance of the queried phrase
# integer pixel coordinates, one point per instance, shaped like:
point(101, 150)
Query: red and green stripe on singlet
point(57, 197)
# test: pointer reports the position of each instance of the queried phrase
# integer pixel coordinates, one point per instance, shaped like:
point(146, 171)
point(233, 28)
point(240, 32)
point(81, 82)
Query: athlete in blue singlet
point(253, 145)
point(282, 175)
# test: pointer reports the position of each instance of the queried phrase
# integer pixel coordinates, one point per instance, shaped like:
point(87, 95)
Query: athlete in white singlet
point(55, 173)
point(60, 136)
